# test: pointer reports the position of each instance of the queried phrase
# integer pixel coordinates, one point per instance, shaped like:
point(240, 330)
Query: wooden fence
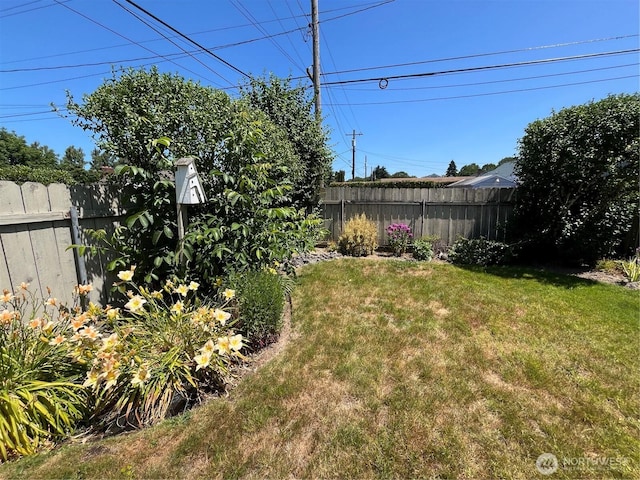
point(445, 212)
point(37, 225)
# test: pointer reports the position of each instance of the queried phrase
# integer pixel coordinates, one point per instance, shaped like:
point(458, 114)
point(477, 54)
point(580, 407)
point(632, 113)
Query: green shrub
point(480, 251)
point(437, 245)
point(360, 237)
point(46, 176)
point(261, 297)
point(610, 266)
point(422, 249)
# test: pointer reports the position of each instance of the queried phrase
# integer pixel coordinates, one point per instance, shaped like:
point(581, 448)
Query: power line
point(20, 6)
point(31, 113)
point(111, 47)
point(302, 62)
point(95, 64)
point(247, 14)
point(30, 10)
point(376, 5)
point(491, 93)
point(483, 68)
point(477, 55)
point(533, 77)
point(115, 33)
point(233, 67)
point(151, 57)
point(170, 40)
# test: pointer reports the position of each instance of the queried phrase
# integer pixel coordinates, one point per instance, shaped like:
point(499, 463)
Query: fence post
point(75, 236)
point(423, 208)
point(341, 216)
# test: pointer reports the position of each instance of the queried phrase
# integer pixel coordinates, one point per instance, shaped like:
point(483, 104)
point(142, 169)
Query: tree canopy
point(146, 120)
point(452, 169)
point(578, 173)
point(14, 150)
point(291, 109)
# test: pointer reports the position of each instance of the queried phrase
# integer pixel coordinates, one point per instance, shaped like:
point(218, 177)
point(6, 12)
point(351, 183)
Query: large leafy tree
point(379, 172)
point(14, 150)
point(291, 108)
point(578, 173)
point(147, 120)
point(469, 170)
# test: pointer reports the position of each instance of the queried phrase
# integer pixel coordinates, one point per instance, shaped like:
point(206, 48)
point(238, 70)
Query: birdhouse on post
point(189, 190)
point(188, 186)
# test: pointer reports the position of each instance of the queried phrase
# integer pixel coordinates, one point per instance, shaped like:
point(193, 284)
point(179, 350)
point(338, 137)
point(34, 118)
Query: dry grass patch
point(401, 370)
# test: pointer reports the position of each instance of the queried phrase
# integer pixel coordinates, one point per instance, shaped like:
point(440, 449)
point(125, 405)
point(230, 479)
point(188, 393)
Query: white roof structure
point(501, 177)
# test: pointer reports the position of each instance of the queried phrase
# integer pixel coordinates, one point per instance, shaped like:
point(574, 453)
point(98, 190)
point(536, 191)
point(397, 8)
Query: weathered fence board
point(445, 212)
point(35, 235)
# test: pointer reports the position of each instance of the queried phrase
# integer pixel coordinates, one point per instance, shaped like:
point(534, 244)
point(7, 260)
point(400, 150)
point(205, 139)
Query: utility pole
point(353, 153)
point(315, 32)
point(365, 167)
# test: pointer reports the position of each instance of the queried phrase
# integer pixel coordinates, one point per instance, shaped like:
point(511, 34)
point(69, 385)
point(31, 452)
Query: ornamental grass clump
point(399, 238)
point(109, 368)
point(360, 237)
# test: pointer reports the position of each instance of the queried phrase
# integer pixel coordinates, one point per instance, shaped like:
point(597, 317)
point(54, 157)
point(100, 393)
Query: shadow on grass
point(546, 275)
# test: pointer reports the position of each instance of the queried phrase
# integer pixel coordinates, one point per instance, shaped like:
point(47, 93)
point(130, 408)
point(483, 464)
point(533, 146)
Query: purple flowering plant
point(400, 236)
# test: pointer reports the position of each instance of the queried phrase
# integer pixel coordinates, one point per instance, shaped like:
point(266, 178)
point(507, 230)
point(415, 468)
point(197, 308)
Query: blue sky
point(464, 100)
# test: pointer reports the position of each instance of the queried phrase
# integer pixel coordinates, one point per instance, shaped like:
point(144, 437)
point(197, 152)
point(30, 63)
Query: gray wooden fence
point(445, 212)
point(36, 229)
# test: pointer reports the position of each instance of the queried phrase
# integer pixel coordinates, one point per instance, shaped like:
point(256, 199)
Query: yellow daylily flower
point(221, 316)
point(57, 340)
point(92, 379)
point(111, 378)
point(235, 342)
point(229, 294)
point(110, 342)
point(209, 346)
point(126, 275)
point(142, 375)
point(136, 303)
point(113, 313)
point(223, 345)
point(177, 307)
point(202, 360)
point(182, 289)
point(194, 286)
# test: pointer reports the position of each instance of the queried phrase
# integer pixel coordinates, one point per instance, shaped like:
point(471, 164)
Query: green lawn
point(403, 370)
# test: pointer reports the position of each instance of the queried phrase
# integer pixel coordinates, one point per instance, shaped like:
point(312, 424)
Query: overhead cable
point(481, 68)
point(489, 93)
point(476, 55)
point(59, 2)
point(233, 67)
point(170, 40)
